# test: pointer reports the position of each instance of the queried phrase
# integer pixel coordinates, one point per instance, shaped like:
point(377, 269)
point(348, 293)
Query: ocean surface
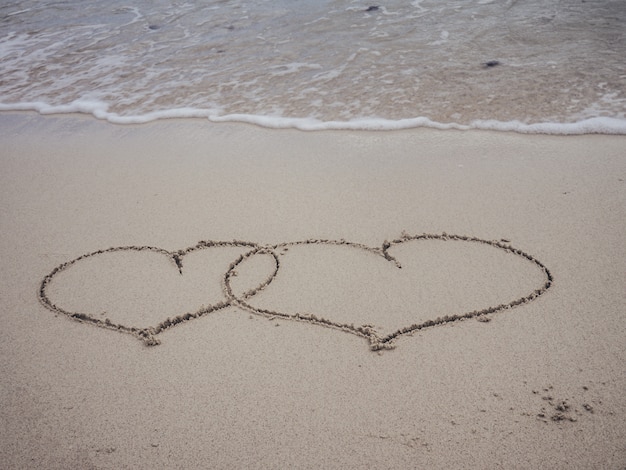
point(556, 66)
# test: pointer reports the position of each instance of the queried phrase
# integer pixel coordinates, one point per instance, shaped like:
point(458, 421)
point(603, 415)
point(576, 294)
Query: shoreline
point(538, 385)
point(603, 125)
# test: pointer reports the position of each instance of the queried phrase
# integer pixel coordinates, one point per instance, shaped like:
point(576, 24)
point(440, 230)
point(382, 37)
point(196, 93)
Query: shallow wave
point(527, 66)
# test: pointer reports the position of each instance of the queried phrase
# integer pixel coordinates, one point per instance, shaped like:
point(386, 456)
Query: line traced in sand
point(377, 342)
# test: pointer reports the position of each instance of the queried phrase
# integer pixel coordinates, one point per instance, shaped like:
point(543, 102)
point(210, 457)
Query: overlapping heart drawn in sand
point(235, 296)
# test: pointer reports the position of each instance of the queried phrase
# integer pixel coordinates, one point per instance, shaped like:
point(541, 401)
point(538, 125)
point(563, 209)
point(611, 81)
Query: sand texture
point(185, 294)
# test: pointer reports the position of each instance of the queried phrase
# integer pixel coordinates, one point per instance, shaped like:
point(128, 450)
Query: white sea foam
point(531, 67)
point(597, 125)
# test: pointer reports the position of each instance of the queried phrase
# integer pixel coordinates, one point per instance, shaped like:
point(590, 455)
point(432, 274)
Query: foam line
point(99, 110)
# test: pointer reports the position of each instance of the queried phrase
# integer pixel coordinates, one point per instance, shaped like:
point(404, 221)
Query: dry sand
point(245, 385)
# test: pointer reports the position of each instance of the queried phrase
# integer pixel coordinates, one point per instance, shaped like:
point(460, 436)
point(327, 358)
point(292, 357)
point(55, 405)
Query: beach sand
point(538, 385)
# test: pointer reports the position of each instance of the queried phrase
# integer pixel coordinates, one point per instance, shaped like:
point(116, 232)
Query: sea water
point(554, 66)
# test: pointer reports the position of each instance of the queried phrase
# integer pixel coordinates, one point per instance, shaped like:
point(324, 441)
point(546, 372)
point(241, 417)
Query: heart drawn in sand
point(232, 294)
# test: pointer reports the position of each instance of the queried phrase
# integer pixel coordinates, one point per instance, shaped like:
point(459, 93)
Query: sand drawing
point(376, 340)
